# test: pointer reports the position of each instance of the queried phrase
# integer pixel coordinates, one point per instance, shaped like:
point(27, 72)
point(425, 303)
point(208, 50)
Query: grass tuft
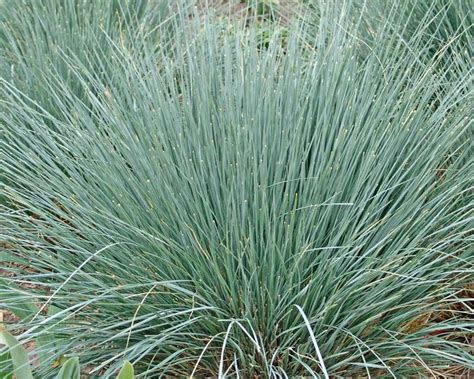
point(204, 204)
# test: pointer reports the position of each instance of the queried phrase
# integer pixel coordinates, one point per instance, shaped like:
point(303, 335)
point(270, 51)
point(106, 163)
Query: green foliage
point(70, 369)
point(17, 354)
point(210, 207)
point(126, 372)
point(22, 369)
point(263, 8)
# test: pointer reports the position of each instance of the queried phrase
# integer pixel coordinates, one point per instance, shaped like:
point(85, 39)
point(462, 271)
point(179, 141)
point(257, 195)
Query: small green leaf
point(126, 371)
point(46, 344)
point(18, 354)
point(70, 369)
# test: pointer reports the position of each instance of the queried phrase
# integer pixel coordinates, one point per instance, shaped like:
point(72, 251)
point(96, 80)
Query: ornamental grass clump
point(224, 208)
point(34, 34)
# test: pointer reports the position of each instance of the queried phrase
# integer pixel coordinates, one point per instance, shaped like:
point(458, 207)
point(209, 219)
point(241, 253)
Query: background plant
point(22, 369)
